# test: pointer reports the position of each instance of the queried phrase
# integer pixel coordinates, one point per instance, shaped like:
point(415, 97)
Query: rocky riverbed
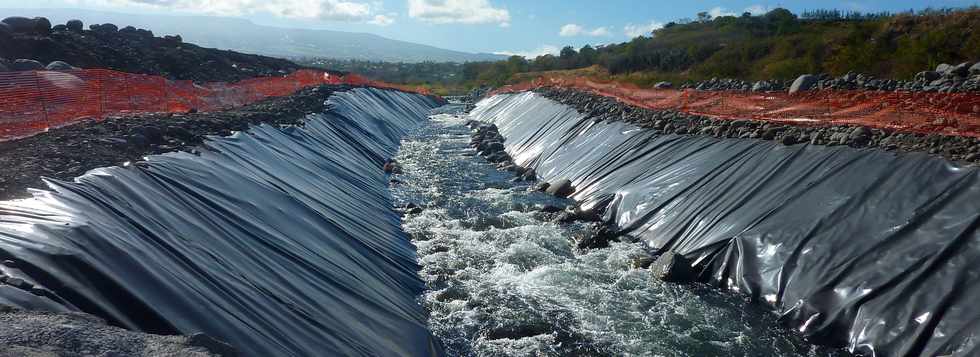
point(68, 152)
point(954, 148)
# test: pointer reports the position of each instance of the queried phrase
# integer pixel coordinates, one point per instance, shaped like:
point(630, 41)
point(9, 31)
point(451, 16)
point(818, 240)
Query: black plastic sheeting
point(278, 241)
point(866, 249)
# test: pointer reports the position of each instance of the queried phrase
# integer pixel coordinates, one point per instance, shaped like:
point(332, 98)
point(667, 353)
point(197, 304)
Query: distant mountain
point(244, 36)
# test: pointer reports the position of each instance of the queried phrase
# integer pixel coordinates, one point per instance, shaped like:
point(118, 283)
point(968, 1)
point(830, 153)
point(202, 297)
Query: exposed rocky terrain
point(51, 334)
point(946, 78)
point(29, 44)
point(953, 148)
point(68, 152)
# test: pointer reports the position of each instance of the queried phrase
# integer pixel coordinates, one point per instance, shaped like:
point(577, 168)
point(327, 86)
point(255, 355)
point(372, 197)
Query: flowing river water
point(504, 280)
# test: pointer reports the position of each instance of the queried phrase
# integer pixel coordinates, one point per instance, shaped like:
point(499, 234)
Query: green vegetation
point(775, 45)
point(778, 44)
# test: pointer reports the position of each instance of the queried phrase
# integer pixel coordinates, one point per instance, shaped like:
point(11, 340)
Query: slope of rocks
point(27, 44)
point(49, 334)
point(946, 78)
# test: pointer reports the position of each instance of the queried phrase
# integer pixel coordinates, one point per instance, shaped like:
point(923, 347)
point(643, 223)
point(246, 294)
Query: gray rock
point(561, 188)
point(59, 66)
point(961, 70)
point(859, 135)
point(75, 25)
point(663, 85)
point(927, 76)
point(26, 65)
point(5, 31)
point(42, 26)
point(975, 69)
point(943, 68)
point(104, 28)
point(803, 83)
point(41, 333)
point(19, 24)
point(4, 68)
point(673, 267)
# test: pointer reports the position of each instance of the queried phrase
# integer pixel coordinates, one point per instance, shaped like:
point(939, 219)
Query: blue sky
point(498, 26)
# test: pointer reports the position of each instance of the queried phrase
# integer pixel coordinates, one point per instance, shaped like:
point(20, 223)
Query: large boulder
point(927, 76)
point(26, 65)
point(961, 70)
point(5, 31)
point(975, 69)
point(19, 24)
point(75, 25)
point(943, 68)
point(42, 26)
point(803, 83)
point(59, 66)
point(104, 28)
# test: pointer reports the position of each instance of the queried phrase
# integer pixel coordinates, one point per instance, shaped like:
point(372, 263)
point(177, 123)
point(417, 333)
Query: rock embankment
point(32, 43)
point(953, 148)
point(44, 334)
point(68, 152)
point(946, 78)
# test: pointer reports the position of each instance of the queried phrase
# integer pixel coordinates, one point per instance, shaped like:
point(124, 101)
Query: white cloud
point(756, 10)
point(540, 51)
point(382, 20)
point(458, 11)
point(331, 10)
point(572, 30)
point(632, 30)
point(719, 11)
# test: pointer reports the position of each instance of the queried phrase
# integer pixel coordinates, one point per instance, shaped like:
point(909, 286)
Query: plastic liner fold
point(277, 241)
point(874, 251)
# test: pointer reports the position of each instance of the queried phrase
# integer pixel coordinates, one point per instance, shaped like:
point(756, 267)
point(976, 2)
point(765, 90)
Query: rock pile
point(946, 78)
point(129, 50)
point(954, 148)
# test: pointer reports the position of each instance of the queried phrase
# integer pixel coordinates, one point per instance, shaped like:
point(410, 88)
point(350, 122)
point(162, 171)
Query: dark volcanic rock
point(58, 66)
point(673, 267)
point(135, 51)
point(561, 188)
point(42, 26)
point(75, 25)
point(18, 24)
point(26, 65)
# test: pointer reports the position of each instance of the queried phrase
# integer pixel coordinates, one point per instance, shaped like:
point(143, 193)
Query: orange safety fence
point(32, 102)
point(919, 112)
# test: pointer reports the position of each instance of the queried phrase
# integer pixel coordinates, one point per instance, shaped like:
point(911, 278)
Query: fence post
point(40, 97)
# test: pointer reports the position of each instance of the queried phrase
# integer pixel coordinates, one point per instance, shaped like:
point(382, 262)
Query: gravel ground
point(68, 152)
point(965, 150)
point(43, 334)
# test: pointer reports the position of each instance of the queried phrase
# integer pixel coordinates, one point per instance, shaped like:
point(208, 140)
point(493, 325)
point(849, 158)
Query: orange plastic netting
point(944, 113)
point(34, 101)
